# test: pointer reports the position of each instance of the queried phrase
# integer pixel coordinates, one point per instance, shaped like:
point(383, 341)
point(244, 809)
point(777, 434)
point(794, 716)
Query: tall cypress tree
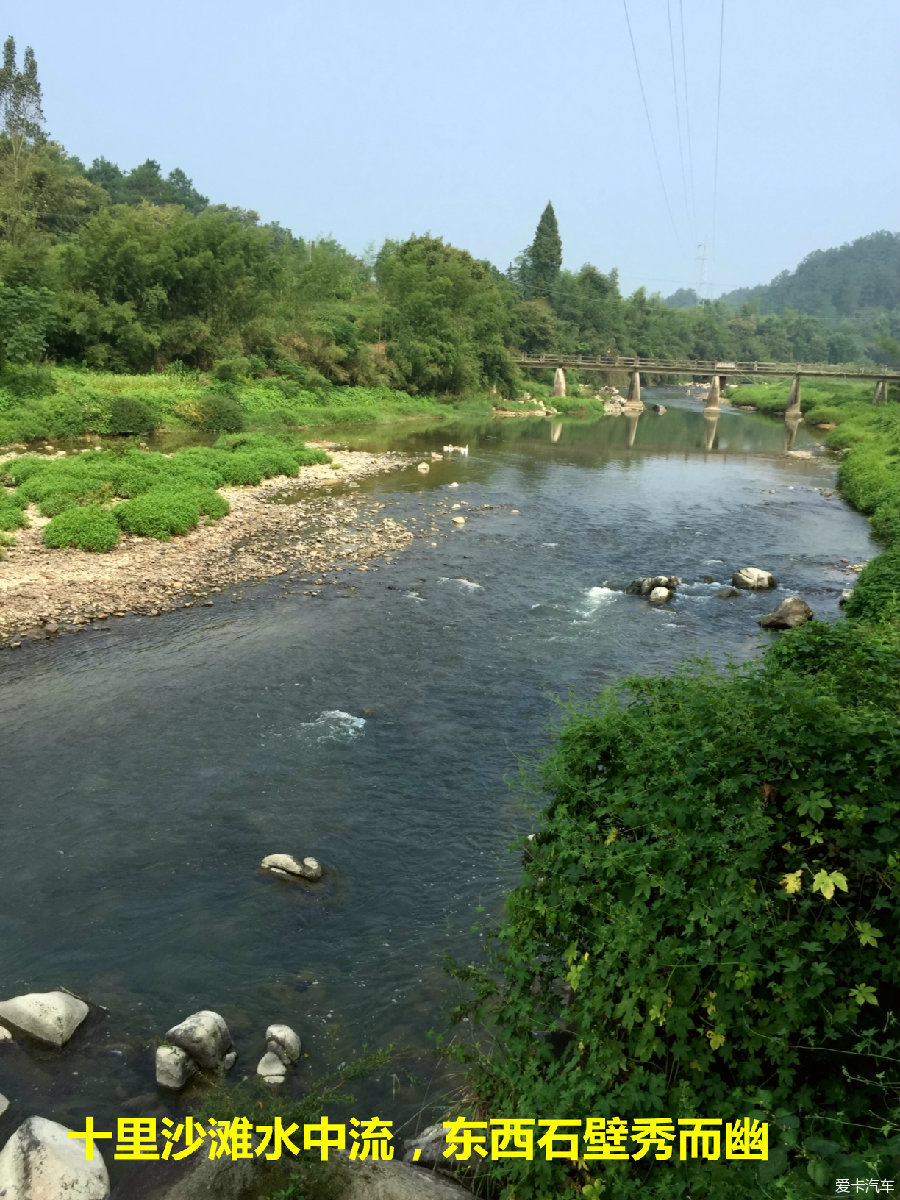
point(22, 119)
point(543, 258)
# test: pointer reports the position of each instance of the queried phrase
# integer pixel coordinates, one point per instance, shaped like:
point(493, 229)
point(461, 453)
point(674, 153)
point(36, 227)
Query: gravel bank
point(46, 592)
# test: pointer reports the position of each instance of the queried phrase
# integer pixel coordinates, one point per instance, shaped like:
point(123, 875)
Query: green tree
point(20, 109)
point(540, 263)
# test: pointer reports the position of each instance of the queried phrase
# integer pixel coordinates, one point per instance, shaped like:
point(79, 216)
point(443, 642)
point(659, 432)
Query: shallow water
point(147, 770)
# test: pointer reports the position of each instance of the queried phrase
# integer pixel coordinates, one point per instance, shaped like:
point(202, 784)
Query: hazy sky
point(374, 120)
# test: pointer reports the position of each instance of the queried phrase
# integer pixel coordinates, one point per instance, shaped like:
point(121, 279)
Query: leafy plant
point(85, 528)
point(703, 924)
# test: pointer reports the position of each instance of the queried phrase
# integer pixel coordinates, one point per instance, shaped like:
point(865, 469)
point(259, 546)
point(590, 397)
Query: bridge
point(715, 370)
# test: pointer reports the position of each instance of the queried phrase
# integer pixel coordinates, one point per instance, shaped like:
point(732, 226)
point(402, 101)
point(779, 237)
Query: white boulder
point(48, 1016)
point(41, 1162)
point(204, 1036)
point(289, 867)
point(283, 1041)
point(174, 1067)
point(753, 578)
point(659, 595)
point(271, 1069)
point(5, 1035)
point(4, 1104)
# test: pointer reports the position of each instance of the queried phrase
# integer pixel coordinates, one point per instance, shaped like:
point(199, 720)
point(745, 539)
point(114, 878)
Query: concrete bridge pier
point(634, 387)
point(793, 404)
point(714, 393)
point(559, 382)
point(880, 392)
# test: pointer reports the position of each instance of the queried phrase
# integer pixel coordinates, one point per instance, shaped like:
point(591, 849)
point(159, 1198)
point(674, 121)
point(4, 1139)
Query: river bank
point(44, 592)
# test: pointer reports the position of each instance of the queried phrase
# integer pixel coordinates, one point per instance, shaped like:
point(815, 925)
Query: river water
point(147, 770)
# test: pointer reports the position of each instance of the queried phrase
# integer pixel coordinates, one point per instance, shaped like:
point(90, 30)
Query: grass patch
point(85, 528)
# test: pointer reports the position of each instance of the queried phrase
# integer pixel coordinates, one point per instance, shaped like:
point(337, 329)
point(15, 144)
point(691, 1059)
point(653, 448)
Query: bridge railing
point(697, 366)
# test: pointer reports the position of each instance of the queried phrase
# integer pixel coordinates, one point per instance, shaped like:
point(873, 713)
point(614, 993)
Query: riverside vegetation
point(709, 916)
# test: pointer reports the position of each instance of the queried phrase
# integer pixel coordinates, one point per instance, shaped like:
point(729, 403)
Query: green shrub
point(214, 411)
point(11, 515)
point(160, 513)
point(708, 924)
point(876, 596)
point(128, 414)
point(86, 528)
point(170, 509)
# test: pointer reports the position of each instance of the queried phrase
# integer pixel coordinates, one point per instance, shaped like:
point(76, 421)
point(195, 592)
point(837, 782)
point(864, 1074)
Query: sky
point(462, 118)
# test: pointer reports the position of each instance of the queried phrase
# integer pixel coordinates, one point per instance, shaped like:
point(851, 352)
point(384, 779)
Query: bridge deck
point(670, 366)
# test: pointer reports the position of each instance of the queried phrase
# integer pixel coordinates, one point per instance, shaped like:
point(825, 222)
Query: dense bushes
point(162, 495)
point(876, 596)
point(706, 927)
point(86, 528)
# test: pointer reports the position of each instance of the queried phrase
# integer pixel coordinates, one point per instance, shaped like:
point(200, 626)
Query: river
point(147, 770)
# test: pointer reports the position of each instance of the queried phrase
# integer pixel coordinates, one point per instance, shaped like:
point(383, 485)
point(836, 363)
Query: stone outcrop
point(41, 1162)
point(174, 1067)
point(282, 1051)
point(726, 593)
point(790, 613)
point(753, 578)
point(644, 587)
point(204, 1036)
point(289, 867)
point(50, 1017)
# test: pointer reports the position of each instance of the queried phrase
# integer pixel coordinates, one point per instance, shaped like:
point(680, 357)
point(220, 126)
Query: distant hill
point(847, 281)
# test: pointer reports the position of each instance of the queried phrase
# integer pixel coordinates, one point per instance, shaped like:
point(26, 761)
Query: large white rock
point(205, 1037)
point(174, 1067)
point(271, 1069)
point(49, 1016)
point(659, 595)
point(283, 1041)
point(289, 867)
point(753, 577)
point(41, 1162)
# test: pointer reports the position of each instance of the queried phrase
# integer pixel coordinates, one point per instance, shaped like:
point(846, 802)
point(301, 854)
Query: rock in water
point(41, 1162)
point(789, 614)
point(204, 1036)
point(271, 1069)
point(48, 1016)
point(289, 867)
point(660, 595)
point(753, 578)
point(283, 1041)
point(726, 593)
point(643, 587)
point(174, 1067)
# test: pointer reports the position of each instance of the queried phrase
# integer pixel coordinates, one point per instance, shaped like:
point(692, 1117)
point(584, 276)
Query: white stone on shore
point(283, 1041)
point(5, 1035)
point(288, 866)
point(41, 1162)
point(271, 1069)
point(4, 1104)
point(48, 1016)
point(229, 1060)
point(204, 1036)
point(423, 467)
point(174, 1067)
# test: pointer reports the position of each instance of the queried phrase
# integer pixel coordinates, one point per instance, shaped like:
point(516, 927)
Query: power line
point(718, 117)
point(662, 180)
point(684, 188)
point(687, 118)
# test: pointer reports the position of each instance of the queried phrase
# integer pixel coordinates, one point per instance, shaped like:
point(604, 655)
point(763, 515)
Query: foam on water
point(335, 725)
point(466, 585)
